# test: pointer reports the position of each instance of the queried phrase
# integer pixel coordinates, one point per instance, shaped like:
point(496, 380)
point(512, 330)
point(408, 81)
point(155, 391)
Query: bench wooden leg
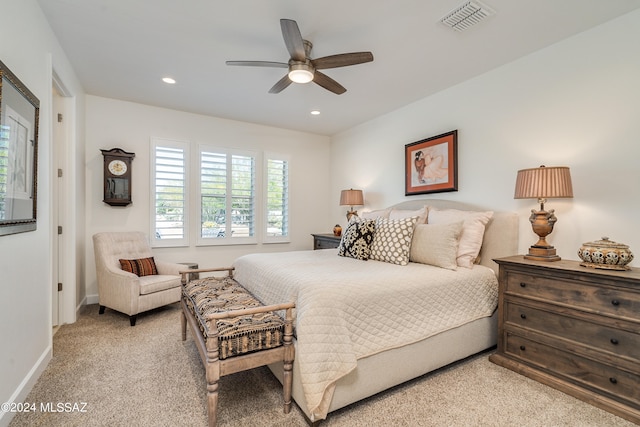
point(212, 403)
point(286, 386)
point(289, 356)
point(183, 325)
point(213, 376)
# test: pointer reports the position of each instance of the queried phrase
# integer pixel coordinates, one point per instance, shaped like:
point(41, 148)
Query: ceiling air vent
point(467, 15)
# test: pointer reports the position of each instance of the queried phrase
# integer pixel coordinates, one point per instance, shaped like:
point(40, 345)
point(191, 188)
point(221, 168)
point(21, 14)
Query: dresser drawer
point(325, 241)
point(601, 337)
point(597, 299)
point(618, 384)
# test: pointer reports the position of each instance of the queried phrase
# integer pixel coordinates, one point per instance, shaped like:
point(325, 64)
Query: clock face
point(117, 167)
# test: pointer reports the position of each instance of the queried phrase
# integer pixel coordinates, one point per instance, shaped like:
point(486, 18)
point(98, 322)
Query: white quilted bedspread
point(348, 309)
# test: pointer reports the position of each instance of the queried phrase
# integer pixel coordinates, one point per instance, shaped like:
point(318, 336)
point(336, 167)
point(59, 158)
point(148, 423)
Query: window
point(237, 198)
point(277, 199)
point(227, 197)
point(169, 196)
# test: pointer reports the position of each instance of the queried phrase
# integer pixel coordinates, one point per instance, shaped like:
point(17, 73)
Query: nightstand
point(574, 328)
point(325, 241)
point(191, 266)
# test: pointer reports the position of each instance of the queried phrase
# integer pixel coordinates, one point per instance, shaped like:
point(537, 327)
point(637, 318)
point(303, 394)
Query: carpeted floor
point(109, 373)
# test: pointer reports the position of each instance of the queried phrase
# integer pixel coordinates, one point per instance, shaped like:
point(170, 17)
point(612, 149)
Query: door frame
point(63, 203)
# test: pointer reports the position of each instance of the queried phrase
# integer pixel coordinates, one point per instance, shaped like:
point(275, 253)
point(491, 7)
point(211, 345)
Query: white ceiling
point(122, 49)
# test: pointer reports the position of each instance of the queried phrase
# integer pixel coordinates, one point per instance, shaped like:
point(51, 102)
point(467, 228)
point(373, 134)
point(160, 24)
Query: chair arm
point(119, 290)
point(169, 268)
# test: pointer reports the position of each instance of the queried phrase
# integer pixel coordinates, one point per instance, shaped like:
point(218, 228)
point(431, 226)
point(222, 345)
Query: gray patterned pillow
point(392, 240)
point(356, 241)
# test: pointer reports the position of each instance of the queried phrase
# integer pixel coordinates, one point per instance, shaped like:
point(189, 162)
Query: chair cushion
point(238, 335)
point(139, 267)
point(157, 283)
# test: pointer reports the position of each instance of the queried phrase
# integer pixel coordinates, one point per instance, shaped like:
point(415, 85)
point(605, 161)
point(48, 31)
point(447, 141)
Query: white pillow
point(404, 213)
point(382, 213)
point(472, 231)
point(392, 240)
point(436, 244)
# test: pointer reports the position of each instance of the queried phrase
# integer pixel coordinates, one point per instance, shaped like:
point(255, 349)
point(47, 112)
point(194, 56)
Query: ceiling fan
point(303, 69)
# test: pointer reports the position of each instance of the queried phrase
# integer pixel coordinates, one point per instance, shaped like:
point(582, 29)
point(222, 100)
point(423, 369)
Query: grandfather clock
point(117, 176)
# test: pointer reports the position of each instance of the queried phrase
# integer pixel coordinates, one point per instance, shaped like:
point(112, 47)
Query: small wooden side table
point(192, 266)
point(325, 241)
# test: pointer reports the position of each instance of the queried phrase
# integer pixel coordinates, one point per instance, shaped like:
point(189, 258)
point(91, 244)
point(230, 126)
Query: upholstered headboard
point(500, 236)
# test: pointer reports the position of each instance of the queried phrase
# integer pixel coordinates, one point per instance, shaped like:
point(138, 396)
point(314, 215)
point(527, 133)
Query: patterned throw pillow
point(139, 267)
point(356, 241)
point(392, 240)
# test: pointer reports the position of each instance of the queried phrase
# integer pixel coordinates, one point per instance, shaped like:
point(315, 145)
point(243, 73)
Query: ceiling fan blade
point(342, 60)
point(282, 84)
point(293, 39)
point(259, 64)
point(328, 83)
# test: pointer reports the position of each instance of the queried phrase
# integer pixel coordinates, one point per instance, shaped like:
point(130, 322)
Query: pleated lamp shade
point(351, 198)
point(544, 183)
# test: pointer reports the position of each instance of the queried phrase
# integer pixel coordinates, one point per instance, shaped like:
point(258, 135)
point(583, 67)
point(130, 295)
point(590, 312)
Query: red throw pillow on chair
point(139, 267)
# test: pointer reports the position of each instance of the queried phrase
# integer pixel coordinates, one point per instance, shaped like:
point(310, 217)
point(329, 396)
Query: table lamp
point(543, 183)
point(351, 198)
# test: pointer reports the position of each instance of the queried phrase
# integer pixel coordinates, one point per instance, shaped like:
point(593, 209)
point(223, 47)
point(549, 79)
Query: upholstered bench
point(234, 332)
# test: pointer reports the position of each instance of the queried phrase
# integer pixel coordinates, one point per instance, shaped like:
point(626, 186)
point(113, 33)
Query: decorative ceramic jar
point(605, 254)
point(337, 230)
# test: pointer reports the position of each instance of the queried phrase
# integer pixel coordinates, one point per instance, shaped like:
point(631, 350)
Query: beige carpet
point(146, 376)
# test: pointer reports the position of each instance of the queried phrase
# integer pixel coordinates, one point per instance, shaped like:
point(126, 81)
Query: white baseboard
point(92, 299)
point(23, 390)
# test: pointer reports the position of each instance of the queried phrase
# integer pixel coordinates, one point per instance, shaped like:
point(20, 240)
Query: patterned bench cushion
point(238, 335)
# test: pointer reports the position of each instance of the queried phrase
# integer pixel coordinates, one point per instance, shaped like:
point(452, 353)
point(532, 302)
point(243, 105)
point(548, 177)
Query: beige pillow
point(436, 244)
point(472, 231)
point(405, 213)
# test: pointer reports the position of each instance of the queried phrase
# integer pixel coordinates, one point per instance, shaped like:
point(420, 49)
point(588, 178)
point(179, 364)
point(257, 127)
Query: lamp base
point(542, 253)
point(350, 214)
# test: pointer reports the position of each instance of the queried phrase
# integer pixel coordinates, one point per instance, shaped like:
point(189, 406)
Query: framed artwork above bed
point(431, 165)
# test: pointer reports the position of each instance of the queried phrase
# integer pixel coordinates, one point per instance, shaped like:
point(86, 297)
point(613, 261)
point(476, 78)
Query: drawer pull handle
point(523, 348)
point(523, 316)
point(613, 380)
point(615, 302)
point(523, 285)
point(614, 341)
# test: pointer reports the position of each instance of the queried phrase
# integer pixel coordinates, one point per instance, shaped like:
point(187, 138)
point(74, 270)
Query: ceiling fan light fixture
point(300, 73)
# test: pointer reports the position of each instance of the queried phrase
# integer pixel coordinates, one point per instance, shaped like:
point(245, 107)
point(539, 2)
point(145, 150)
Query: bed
point(365, 326)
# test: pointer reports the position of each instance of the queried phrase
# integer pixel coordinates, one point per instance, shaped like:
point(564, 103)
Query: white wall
point(31, 51)
point(575, 104)
point(112, 123)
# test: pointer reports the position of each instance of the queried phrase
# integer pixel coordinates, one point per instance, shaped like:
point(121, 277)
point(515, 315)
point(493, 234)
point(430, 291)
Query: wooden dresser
point(573, 328)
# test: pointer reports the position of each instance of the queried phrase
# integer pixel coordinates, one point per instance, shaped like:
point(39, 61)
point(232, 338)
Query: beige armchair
point(124, 291)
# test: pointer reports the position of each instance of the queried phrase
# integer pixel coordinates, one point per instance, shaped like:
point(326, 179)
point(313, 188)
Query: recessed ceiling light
point(169, 80)
point(315, 113)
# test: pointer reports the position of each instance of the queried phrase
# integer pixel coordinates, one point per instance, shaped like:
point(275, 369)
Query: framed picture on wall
point(431, 165)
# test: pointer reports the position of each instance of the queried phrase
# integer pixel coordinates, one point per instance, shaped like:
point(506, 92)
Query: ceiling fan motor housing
point(301, 72)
